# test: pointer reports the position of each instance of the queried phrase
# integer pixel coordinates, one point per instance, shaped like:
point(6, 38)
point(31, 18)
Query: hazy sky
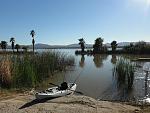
point(64, 21)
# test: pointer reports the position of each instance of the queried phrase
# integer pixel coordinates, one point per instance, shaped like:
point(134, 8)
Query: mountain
point(41, 46)
point(46, 46)
point(78, 46)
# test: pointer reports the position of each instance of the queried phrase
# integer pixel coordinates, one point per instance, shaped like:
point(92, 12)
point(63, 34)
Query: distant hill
point(120, 44)
point(78, 46)
point(41, 46)
point(46, 46)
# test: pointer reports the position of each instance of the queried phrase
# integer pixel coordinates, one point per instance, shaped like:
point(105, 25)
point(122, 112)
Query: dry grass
point(5, 71)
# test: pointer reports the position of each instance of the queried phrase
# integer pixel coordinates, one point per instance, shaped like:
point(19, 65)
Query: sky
point(62, 22)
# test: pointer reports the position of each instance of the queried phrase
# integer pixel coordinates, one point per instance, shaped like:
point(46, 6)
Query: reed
point(5, 71)
point(22, 71)
point(124, 73)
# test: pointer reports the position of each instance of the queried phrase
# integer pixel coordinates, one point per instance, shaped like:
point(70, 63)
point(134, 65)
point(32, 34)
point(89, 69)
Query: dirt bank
point(67, 104)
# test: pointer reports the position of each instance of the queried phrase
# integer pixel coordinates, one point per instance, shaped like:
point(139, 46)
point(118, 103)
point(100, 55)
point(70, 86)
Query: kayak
point(56, 92)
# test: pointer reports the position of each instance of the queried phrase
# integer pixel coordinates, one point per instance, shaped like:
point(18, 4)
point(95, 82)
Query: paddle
point(68, 89)
point(54, 84)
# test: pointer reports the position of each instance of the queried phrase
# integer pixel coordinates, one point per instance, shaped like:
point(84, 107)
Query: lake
point(94, 77)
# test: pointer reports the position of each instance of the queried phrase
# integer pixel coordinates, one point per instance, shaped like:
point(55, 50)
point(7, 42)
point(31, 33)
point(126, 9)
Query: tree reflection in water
point(98, 59)
point(146, 84)
point(81, 62)
point(114, 59)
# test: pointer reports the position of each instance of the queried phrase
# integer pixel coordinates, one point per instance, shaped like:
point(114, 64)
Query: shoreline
point(23, 102)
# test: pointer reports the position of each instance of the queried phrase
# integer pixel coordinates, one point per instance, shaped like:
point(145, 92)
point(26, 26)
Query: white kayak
point(56, 92)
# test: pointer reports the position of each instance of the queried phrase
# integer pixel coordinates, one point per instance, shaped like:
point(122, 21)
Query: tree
point(3, 45)
point(140, 47)
point(97, 47)
point(17, 46)
point(114, 45)
point(140, 44)
point(81, 43)
point(32, 33)
point(131, 44)
point(25, 48)
point(12, 40)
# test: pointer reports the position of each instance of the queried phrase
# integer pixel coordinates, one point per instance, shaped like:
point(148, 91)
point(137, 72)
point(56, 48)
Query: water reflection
point(96, 76)
point(123, 77)
point(121, 89)
point(81, 62)
point(146, 84)
point(98, 60)
point(114, 59)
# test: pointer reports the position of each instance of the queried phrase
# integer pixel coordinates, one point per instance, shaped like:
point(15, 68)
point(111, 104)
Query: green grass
point(30, 70)
point(124, 73)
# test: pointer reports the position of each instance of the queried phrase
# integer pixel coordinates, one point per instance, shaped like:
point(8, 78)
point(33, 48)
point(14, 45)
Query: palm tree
point(114, 45)
point(17, 46)
point(81, 43)
point(32, 33)
point(97, 47)
point(3, 45)
point(12, 40)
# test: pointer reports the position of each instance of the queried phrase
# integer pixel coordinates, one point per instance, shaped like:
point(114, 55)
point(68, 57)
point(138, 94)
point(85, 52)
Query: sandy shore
point(67, 104)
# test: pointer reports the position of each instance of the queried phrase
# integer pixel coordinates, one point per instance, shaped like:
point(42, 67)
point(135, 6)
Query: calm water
point(93, 75)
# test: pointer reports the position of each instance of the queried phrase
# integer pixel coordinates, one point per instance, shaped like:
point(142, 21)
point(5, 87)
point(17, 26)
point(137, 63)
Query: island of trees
point(140, 47)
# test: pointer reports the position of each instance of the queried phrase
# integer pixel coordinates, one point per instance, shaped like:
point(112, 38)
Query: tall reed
point(124, 73)
point(29, 70)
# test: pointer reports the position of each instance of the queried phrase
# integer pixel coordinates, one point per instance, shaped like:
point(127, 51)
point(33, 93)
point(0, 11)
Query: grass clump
point(124, 73)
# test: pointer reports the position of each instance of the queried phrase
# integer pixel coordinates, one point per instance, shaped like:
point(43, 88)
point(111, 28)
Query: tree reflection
point(114, 59)
point(98, 60)
point(81, 63)
point(146, 83)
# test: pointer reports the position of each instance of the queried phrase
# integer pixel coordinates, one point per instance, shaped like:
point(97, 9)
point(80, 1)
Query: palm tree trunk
point(33, 47)
point(33, 41)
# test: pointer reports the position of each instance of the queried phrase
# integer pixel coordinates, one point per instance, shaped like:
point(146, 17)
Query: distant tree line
point(4, 44)
point(140, 47)
point(98, 46)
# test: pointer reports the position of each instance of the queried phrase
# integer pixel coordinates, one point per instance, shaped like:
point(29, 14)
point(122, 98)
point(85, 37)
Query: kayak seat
point(63, 86)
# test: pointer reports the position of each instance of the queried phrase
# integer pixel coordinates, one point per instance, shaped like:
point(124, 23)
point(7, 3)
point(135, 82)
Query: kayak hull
point(55, 92)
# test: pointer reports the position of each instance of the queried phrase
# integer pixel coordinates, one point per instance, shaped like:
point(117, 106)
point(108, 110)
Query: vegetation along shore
point(23, 69)
point(28, 70)
point(140, 47)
